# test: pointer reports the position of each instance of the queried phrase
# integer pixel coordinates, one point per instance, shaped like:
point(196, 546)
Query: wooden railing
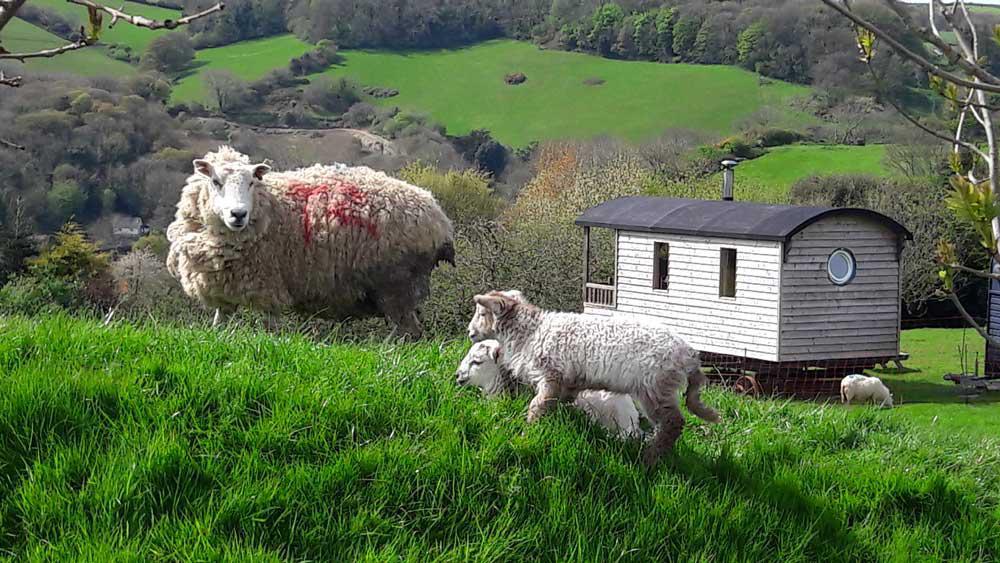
point(599, 294)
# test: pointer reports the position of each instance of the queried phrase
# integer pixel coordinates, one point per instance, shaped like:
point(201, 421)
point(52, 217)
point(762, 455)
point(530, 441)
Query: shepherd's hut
point(779, 299)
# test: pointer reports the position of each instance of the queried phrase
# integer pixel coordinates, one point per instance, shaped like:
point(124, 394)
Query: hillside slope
point(148, 443)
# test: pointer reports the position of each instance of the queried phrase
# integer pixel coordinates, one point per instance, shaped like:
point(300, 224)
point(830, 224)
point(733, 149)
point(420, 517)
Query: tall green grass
point(165, 444)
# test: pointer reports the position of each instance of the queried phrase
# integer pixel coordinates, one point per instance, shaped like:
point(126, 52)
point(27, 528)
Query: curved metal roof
point(716, 218)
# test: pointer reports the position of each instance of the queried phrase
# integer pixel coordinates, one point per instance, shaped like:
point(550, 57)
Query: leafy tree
point(65, 200)
point(71, 257)
point(464, 196)
point(604, 23)
point(171, 52)
point(751, 47)
point(685, 33)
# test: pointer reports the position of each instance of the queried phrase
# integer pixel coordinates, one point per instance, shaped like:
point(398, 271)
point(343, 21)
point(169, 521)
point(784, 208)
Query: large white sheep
point(864, 388)
point(560, 354)
point(332, 241)
point(483, 367)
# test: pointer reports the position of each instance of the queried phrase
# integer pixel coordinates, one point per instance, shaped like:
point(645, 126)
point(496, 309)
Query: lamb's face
point(479, 366)
point(483, 323)
point(232, 190)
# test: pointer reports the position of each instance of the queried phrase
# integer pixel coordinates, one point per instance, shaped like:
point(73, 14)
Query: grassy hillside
point(135, 37)
point(783, 166)
point(20, 36)
point(249, 60)
point(155, 443)
point(465, 89)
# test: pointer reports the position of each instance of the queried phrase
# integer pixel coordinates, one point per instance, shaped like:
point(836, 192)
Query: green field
point(153, 443)
point(248, 60)
point(21, 36)
point(783, 166)
point(135, 37)
point(464, 89)
point(637, 100)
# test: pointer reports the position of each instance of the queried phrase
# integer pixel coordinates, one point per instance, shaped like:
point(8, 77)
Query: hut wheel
point(747, 385)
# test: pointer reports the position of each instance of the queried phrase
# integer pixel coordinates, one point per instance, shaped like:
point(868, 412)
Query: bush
point(332, 95)
point(465, 196)
point(143, 286)
point(32, 295)
point(775, 137)
point(171, 52)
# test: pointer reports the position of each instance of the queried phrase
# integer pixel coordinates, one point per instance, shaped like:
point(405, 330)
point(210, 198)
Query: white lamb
point(331, 241)
point(863, 388)
point(483, 367)
point(560, 354)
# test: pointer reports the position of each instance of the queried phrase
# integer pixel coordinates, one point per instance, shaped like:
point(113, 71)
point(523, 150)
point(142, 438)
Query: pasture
point(21, 36)
point(464, 89)
point(783, 166)
point(248, 60)
point(135, 37)
point(161, 443)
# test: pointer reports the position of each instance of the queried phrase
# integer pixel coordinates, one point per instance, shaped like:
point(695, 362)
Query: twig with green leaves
point(966, 85)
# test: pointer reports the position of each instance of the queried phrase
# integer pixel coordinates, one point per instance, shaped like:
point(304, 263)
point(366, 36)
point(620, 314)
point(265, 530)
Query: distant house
point(786, 298)
point(125, 226)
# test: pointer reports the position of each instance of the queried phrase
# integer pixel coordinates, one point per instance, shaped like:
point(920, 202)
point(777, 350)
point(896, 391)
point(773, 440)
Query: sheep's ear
point(494, 351)
point(494, 303)
point(259, 170)
point(204, 168)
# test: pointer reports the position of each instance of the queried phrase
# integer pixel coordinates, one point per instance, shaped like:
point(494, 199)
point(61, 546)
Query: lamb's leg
point(221, 317)
point(547, 393)
point(664, 411)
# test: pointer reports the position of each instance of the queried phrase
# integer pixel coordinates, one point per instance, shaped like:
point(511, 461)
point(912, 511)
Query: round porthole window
point(841, 266)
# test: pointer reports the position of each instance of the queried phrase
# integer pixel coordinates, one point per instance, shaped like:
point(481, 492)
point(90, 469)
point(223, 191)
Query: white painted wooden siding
point(820, 320)
point(746, 325)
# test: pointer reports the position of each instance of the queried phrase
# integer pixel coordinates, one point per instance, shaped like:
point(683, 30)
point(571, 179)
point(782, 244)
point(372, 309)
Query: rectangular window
point(727, 272)
point(661, 264)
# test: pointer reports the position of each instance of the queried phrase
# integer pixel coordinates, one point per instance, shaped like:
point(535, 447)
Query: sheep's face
point(232, 190)
point(479, 366)
point(483, 323)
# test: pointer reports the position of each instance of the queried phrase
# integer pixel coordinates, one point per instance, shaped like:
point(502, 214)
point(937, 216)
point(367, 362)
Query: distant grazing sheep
point(484, 368)
point(560, 354)
point(332, 241)
point(863, 388)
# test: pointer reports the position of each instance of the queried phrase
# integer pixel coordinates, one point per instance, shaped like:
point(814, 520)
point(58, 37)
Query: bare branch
point(971, 321)
point(12, 81)
point(953, 141)
point(910, 55)
point(975, 272)
point(142, 21)
point(972, 67)
point(10, 145)
point(46, 53)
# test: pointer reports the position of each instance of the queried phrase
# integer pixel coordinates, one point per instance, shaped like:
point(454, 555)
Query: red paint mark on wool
point(339, 200)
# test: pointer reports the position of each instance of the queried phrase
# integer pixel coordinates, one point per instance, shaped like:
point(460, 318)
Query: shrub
point(143, 286)
point(31, 295)
point(171, 52)
point(775, 137)
point(332, 95)
point(465, 196)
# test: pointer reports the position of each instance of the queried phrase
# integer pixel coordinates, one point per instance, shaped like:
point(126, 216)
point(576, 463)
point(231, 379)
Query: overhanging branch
point(910, 55)
point(12, 81)
point(46, 53)
point(10, 145)
point(142, 21)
